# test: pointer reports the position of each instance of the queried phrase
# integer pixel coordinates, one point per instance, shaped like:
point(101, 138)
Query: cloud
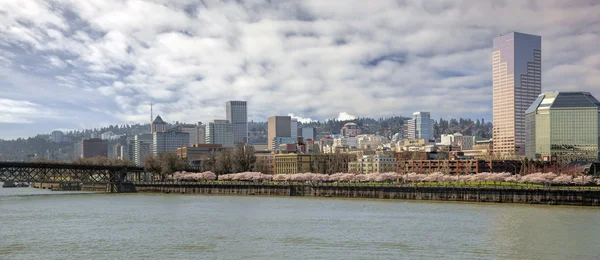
point(313, 57)
point(300, 119)
point(17, 111)
point(343, 116)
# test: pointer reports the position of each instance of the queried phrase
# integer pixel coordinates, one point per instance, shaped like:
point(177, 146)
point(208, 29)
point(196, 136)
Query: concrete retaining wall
point(553, 196)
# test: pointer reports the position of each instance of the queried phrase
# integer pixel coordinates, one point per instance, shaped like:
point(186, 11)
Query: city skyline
point(89, 72)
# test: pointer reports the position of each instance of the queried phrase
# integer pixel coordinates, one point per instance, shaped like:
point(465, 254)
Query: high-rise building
point(294, 127)
point(94, 147)
point(563, 126)
point(517, 81)
point(128, 150)
point(197, 132)
point(420, 127)
point(142, 148)
point(220, 132)
point(158, 125)
point(237, 115)
point(308, 133)
point(278, 126)
point(169, 141)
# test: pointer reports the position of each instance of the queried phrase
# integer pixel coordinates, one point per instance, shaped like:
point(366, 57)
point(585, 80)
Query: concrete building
point(308, 133)
point(128, 150)
point(278, 141)
point(220, 132)
point(517, 81)
point(109, 136)
point(265, 163)
point(197, 132)
point(237, 115)
point(294, 127)
point(278, 126)
point(292, 163)
point(350, 130)
point(142, 148)
point(197, 154)
point(116, 150)
point(563, 126)
point(369, 141)
point(169, 141)
point(94, 147)
point(420, 126)
point(350, 142)
point(77, 150)
point(158, 125)
point(372, 164)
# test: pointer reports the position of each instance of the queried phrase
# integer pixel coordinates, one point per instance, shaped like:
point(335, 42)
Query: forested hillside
point(20, 149)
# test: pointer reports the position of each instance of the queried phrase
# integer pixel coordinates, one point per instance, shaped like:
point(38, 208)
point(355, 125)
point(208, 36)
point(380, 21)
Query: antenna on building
point(151, 114)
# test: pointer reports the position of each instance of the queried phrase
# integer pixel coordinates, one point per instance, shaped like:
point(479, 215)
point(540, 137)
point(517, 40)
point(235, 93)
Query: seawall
point(552, 196)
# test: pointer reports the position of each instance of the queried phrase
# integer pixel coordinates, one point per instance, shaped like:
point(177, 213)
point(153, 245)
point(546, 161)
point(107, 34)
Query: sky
point(74, 64)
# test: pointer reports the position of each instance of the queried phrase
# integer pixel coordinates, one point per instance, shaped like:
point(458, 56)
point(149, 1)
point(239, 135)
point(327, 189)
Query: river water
point(41, 224)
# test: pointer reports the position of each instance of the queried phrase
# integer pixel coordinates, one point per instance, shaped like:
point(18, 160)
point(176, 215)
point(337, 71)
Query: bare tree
point(223, 162)
point(242, 158)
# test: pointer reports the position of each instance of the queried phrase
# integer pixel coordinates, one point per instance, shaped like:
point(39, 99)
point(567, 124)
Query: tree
point(171, 163)
point(242, 158)
point(223, 162)
point(210, 162)
point(151, 164)
point(165, 164)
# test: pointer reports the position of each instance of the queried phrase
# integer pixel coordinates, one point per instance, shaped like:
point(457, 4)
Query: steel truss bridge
point(71, 173)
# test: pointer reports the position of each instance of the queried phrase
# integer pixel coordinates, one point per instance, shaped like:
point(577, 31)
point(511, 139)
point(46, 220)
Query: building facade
point(158, 125)
point(564, 126)
point(142, 148)
point(197, 154)
point(265, 163)
point(294, 127)
point(237, 115)
point(278, 141)
point(278, 126)
point(350, 130)
point(220, 132)
point(292, 163)
point(78, 150)
point(373, 164)
point(517, 81)
point(197, 132)
point(94, 147)
point(169, 141)
point(308, 133)
point(420, 126)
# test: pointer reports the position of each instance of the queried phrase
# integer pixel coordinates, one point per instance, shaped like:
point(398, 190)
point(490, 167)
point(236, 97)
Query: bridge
point(113, 176)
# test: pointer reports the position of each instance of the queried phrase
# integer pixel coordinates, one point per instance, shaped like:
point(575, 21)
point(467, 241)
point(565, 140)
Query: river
point(41, 224)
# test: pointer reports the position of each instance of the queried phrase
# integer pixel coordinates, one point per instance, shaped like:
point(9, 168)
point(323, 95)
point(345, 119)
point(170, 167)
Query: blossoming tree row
point(542, 178)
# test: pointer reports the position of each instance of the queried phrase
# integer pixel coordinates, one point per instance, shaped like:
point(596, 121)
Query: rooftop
point(563, 100)
point(158, 120)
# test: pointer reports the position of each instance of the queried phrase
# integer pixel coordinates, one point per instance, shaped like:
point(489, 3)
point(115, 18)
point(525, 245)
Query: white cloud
point(300, 119)
point(388, 57)
point(343, 116)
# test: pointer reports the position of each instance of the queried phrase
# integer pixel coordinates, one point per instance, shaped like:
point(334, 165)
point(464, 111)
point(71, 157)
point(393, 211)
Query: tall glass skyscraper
point(564, 126)
point(517, 81)
point(237, 115)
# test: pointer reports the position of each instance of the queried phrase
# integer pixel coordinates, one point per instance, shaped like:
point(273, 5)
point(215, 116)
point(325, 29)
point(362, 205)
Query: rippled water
point(44, 225)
